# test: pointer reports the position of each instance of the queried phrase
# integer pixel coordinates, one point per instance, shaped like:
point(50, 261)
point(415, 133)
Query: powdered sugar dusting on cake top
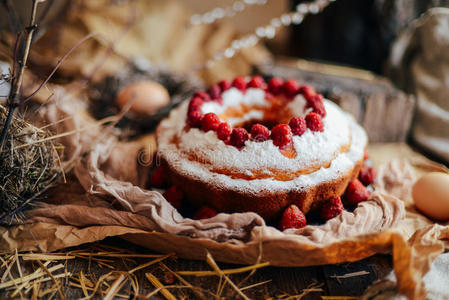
point(234, 97)
point(312, 148)
point(179, 160)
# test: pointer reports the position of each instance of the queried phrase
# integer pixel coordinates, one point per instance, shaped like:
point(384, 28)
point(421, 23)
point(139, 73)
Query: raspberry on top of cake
point(252, 145)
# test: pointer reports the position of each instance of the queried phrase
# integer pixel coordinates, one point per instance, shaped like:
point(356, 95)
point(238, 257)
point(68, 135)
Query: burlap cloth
point(105, 198)
point(419, 64)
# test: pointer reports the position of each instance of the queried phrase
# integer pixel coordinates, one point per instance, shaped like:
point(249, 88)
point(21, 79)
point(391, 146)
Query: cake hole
point(248, 124)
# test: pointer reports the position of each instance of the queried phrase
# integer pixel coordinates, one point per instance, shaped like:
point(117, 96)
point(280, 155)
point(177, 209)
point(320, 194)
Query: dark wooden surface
point(284, 283)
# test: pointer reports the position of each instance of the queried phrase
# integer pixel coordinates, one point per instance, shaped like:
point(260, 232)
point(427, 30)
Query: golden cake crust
point(268, 204)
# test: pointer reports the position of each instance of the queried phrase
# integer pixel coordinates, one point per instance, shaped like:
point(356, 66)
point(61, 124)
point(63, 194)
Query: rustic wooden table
point(319, 282)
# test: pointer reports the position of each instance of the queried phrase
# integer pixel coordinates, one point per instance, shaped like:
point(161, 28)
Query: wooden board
point(283, 282)
point(384, 111)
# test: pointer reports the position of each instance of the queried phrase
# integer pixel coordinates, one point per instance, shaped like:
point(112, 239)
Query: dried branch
point(59, 64)
point(14, 54)
point(13, 99)
point(61, 295)
point(111, 47)
point(210, 260)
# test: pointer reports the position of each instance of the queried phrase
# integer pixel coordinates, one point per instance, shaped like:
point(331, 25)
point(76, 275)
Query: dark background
point(358, 33)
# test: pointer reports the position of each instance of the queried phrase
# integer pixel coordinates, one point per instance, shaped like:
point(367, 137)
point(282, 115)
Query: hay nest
point(102, 96)
point(28, 167)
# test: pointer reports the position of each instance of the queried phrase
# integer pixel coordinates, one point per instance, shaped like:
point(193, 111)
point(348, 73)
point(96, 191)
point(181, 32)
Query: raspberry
point(174, 195)
point(205, 212)
point(194, 118)
point(203, 95)
point(316, 103)
point(367, 175)
point(268, 95)
point(281, 135)
point(257, 82)
point(158, 179)
point(356, 192)
point(315, 98)
point(314, 122)
point(307, 91)
point(238, 137)
point(210, 121)
point(365, 155)
point(224, 85)
point(195, 104)
point(291, 88)
point(239, 83)
point(259, 133)
point(298, 125)
point(223, 131)
point(331, 208)
point(275, 85)
point(292, 218)
point(215, 92)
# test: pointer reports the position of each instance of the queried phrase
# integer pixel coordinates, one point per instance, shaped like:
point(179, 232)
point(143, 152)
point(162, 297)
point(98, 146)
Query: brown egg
point(146, 96)
point(431, 195)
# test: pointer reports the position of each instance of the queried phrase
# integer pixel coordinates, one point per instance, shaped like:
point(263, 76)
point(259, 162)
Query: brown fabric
point(96, 205)
point(419, 63)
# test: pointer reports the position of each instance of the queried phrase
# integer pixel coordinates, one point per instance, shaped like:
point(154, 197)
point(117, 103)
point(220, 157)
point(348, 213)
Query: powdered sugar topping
point(312, 148)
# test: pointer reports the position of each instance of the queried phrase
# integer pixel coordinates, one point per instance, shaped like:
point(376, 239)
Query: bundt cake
point(251, 145)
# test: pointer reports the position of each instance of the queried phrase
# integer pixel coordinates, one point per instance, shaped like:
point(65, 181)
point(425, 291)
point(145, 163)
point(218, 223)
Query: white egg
point(146, 97)
point(431, 195)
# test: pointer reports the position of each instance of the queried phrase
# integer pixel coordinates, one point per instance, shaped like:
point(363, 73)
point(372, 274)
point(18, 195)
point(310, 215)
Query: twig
point(8, 270)
point(45, 257)
point(256, 284)
point(43, 267)
point(59, 64)
point(150, 263)
point(67, 133)
point(111, 48)
point(115, 287)
point(182, 280)
point(151, 294)
point(13, 99)
point(160, 287)
point(226, 272)
point(83, 284)
point(349, 275)
point(26, 278)
point(211, 262)
point(14, 54)
point(24, 284)
point(259, 259)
